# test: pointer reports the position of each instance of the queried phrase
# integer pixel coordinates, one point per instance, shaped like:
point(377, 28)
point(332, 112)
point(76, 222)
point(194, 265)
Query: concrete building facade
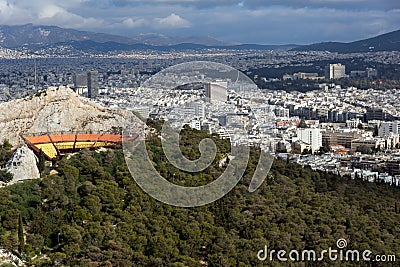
point(311, 136)
point(335, 71)
point(93, 84)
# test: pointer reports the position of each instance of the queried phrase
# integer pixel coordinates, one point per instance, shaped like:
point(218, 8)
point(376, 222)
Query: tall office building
point(80, 79)
point(217, 91)
point(335, 71)
point(80, 82)
point(93, 84)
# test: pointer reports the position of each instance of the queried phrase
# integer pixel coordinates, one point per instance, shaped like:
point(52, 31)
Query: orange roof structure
point(338, 149)
point(54, 145)
point(284, 122)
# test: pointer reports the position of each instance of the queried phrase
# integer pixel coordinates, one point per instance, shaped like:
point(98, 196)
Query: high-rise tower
point(93, 84)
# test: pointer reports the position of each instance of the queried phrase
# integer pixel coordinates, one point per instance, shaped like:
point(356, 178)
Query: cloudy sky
point(242, 21)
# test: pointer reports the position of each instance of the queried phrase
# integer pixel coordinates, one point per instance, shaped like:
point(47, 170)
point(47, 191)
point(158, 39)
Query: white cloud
point(13, 14)
point(50, 11)
point(131, 23)
point(45, 12)
point(172, 21)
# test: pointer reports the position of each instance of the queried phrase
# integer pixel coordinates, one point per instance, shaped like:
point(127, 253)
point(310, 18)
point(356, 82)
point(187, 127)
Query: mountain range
point(164, 40)
point(385, 42)
point(39, 36)
point(28, 34)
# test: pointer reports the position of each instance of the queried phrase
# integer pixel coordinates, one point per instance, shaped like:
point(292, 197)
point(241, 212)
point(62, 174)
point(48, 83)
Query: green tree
point(302, 124)
point(6, 145)
point(21, 239)
point(42, 162)
point(5, 176)
point(364, 149)
point(94, 214)
point(5, 152)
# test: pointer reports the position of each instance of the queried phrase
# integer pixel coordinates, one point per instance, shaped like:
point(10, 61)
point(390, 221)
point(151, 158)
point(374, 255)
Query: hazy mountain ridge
point(39, 37)
point(20, 35)
point(385, 42)
point(32, 36)
point(91, 46)
point(16, 36)
point(164, 40)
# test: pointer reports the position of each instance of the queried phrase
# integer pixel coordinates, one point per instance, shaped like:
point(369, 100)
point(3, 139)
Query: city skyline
point(251, 21)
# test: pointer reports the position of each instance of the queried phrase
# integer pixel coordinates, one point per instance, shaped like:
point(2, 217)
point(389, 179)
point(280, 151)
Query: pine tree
point(41, 163)
point(302, 124)
point(21, 241)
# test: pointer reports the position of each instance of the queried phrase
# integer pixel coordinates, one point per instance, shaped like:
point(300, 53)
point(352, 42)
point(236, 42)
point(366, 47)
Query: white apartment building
point(217, 91)
point(311, 136)
point(195, 124)
point(388, 127)
point(353, 123)
point(281, 112)
point(335, 71)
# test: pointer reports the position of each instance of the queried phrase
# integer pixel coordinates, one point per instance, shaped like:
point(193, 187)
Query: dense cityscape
point(343, 129)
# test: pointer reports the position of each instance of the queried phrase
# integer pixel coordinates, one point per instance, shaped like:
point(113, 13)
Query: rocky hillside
point(19, 35)
point(22, 165)
point(58, 109)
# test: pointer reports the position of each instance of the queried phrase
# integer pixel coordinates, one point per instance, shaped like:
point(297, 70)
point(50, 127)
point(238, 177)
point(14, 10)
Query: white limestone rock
point(6, 257)
point(58, 109)
point(23, 165)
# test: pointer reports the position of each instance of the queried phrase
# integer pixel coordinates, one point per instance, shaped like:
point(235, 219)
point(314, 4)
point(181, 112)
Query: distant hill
point(164, 40)
point(39, 37)
point(385, 42)
point(29, 34)
point(263, 47)
point(16, 36)
point(92, 46)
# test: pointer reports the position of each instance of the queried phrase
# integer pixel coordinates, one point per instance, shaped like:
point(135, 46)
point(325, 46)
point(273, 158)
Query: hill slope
point(42, 37)
point(164, 40)
point(16, 36)
point(93, 213)
point(54, 110)
point(91, 46)
point(385, 42)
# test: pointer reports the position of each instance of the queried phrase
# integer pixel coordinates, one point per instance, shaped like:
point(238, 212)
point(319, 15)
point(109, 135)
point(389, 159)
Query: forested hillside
point(92, 213)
